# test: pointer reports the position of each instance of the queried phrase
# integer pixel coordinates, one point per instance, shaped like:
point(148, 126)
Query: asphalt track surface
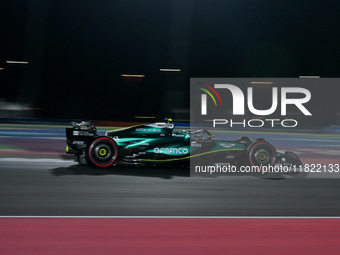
point(36, 187)
point(47, 203)
point(36, 180)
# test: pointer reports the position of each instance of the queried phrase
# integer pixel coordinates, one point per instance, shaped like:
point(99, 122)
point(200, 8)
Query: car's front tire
point(102, 152)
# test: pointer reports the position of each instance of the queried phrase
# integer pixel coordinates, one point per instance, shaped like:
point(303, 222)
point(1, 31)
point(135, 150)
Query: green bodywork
point(149, 143)
point(158, 143)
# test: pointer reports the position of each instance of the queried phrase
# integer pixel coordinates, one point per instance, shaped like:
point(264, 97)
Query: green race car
point(154, 144)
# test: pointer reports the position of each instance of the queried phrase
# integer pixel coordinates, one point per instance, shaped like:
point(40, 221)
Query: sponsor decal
point(175, 151)
point(82, 133)
point(148, 130)
point(221, 164)
point(162, 125)
point(138, 143)
point(196, 145)
point(227, 145)
point(78, 142)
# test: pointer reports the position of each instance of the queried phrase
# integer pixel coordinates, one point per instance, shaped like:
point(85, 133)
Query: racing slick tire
point(102, 152)
point(261, 154)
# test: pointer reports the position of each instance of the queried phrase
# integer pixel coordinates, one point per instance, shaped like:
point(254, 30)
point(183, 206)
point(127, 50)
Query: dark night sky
point(83, 47)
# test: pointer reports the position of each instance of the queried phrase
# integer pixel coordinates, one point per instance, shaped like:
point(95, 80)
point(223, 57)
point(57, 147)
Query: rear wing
point(80, 135)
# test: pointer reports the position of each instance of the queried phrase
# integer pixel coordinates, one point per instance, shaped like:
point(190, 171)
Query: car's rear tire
point(102, 152)
point(261, 154)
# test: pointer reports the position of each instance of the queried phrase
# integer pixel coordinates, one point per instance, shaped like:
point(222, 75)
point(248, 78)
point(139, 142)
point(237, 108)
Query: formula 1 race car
point(153, 144)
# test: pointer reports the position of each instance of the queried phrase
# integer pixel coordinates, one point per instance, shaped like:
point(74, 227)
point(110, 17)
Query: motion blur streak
point(169, 235)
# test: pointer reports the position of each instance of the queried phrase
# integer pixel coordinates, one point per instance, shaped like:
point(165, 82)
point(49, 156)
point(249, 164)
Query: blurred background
point(111, 61)
point(115, 60)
